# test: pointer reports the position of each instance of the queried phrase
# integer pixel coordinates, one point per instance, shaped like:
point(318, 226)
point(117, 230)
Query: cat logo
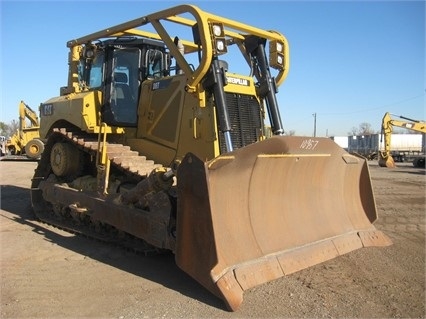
point(238, 81)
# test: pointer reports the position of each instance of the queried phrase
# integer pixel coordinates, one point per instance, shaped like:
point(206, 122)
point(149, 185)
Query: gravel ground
point(48, 273)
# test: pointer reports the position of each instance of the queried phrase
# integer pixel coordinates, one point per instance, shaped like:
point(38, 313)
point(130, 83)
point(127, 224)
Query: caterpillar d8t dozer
point(161, 140)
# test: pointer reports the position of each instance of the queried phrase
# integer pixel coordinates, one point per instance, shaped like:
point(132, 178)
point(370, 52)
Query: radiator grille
point(245, 117)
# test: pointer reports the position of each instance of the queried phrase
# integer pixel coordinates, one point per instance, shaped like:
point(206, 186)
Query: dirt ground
point(49, 273)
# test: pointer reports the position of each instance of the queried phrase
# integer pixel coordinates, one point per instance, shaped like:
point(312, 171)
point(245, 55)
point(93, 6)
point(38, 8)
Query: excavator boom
point(26, 140)
point(388, 122)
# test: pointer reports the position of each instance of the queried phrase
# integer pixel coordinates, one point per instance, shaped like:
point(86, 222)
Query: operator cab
point(117, 67)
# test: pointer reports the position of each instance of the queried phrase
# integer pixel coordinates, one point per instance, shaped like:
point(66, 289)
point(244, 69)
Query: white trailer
point(404, 146)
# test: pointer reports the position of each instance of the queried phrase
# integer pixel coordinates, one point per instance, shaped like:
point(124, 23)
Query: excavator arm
point(388, 123)
point(26, 139)
point(25, 112)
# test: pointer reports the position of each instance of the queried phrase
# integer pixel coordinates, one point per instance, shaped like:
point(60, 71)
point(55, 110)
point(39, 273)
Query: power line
point(374, 108)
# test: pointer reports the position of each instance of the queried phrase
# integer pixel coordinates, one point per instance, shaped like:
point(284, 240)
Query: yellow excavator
point(388, 122)
point(161, 142)
point(26, 140)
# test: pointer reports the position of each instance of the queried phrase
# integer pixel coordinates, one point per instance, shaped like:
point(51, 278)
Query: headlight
point(220, 45)
point(89, 51)
point(217, 33)
point(276, 54)
point(217, 30)
point(90, 54)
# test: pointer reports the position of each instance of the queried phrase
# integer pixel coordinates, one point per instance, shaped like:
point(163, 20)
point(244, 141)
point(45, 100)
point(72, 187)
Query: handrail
point(102, 162)
point(235, 33)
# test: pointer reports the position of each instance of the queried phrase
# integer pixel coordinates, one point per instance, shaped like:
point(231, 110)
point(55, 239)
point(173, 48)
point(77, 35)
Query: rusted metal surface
point(271, 209)
point(149, 225)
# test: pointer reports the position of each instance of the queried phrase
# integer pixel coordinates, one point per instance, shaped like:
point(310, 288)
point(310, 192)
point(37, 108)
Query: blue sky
point(350, 61)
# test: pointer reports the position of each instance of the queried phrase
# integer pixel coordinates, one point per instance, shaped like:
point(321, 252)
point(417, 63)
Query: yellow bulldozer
point(389, 121)
point(160, 141)
point(26, 140)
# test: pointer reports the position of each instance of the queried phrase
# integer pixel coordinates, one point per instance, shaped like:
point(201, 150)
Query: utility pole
point(315, 124)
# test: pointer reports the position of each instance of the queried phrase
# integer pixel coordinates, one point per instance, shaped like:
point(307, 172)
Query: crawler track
point(131, 166)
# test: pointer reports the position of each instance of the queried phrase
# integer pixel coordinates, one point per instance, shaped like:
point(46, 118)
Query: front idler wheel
point(64, 159)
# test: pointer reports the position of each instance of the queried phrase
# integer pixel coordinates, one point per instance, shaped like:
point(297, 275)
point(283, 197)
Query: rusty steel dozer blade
point(270, 209)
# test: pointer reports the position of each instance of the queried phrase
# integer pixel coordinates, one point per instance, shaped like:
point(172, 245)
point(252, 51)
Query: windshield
point(125, 84)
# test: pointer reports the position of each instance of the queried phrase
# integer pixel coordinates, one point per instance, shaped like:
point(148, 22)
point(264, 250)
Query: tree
point(3, 128)
point(290, 133)
point(9, 129)
point(363, 129)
